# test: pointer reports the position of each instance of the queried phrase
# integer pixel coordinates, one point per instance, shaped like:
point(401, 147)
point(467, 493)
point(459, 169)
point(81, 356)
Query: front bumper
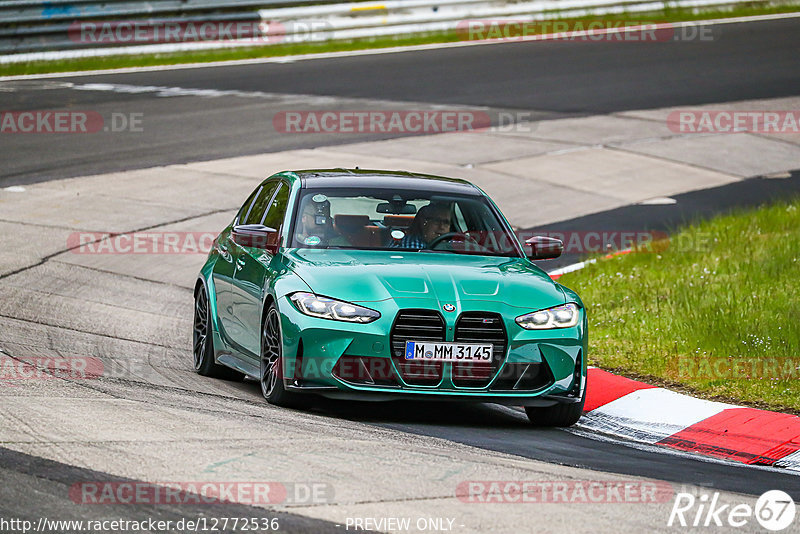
point(355, 361)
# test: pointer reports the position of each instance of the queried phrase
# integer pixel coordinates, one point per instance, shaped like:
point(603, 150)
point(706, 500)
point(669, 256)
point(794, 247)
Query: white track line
point(571, 267)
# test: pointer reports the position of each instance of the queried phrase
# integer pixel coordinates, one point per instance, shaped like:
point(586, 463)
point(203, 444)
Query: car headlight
point(335, 310)
point(558, 317)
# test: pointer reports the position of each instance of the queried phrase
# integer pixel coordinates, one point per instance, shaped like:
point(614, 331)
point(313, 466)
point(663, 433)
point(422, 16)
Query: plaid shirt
point(409, 241)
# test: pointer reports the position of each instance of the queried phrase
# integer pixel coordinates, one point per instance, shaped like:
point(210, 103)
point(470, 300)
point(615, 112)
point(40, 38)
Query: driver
point(431, 221)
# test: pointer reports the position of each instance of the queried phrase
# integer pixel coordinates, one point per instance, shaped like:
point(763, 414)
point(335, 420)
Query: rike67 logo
point(774, 511)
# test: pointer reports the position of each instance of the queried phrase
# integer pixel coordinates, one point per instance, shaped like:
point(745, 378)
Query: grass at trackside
point(733, 301)
point(122, 61)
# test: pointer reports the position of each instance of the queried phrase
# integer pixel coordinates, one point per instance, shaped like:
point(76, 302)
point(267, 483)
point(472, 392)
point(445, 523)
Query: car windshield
point(382, 219)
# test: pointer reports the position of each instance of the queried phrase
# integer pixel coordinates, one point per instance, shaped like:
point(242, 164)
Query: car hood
point(370, 276)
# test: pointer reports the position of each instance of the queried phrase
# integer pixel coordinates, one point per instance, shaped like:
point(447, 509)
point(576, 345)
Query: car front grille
point(417, 325)
point(428, 325)
point(479, 327)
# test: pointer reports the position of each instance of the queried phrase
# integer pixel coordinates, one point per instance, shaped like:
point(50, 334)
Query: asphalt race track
point(50, 482)
point(544, 80)
point(157, 420)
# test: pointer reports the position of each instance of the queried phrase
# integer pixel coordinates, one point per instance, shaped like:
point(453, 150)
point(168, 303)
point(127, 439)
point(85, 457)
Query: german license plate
point(448, 352)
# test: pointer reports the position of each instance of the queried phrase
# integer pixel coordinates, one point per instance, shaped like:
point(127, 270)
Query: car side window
point(245, 209)
point(274, 215)
point(260, 204)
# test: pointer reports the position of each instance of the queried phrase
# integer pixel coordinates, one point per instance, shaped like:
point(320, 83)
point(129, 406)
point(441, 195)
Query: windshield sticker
point(398, 234)
point(312, 240)
point(319, 198)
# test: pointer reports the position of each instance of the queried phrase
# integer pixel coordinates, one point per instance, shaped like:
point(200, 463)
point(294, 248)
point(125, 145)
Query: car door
point(232, 328)
point(252, 273)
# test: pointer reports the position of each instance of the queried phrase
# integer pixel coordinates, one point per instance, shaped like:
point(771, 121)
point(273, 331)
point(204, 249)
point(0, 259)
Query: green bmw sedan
point(384, 285)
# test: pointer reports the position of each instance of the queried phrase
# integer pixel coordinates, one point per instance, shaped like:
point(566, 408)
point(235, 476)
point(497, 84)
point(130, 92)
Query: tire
point(271, 377)
point(560, 415)
point(203, 341)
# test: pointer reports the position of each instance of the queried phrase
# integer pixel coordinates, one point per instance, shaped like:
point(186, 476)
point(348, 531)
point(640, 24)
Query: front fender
point(206, 280)
point(283, 283)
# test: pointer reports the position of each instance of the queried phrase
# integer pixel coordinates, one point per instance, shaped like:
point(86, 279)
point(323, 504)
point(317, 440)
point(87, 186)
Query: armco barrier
point(27, 26)
point(45, 30)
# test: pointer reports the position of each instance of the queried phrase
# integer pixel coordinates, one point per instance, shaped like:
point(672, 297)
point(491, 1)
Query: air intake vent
point(523, 377)
point(366, 371)
point(417, 325)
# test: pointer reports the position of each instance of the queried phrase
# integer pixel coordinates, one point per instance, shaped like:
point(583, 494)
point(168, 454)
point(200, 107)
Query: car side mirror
point(544, 248)
point(257, 236)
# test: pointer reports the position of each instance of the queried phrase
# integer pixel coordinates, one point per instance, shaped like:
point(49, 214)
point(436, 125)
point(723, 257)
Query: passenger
point(315, 226)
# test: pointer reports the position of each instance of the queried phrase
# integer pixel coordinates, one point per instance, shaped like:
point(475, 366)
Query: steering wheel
point(449, 237)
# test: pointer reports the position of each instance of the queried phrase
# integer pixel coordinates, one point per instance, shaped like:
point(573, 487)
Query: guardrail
point(54, 10)
point(62, 29)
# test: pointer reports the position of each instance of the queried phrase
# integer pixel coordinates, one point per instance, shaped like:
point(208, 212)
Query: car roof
point(370, 178)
